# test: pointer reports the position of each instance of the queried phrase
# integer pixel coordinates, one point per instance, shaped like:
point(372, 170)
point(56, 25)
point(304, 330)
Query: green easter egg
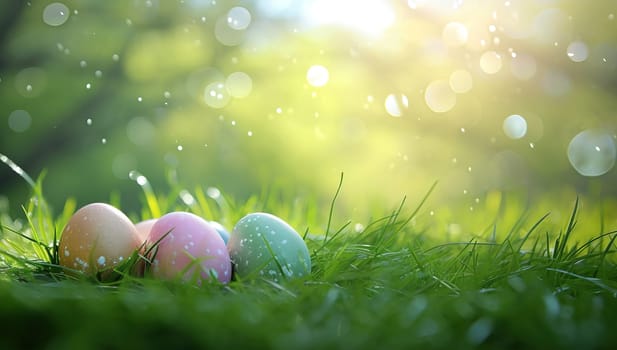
point(263, 245)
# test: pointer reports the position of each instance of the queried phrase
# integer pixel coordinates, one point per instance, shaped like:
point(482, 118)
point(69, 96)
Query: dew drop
point(104, 141)
point(98, 73)
point(89, 121)
point(213, 192)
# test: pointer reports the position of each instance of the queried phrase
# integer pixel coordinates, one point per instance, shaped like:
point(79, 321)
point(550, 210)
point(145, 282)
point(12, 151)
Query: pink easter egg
point(189, 248)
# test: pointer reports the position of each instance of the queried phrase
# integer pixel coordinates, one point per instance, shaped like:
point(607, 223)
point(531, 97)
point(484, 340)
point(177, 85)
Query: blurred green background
point(246, 95)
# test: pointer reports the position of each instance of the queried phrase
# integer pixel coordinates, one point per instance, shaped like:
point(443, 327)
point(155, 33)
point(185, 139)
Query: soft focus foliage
point(247, 95)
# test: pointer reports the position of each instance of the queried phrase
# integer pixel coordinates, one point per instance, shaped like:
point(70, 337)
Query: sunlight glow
point(368, 17)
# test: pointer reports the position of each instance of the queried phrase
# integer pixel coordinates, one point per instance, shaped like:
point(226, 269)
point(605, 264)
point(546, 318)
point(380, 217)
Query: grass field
point(394, 282)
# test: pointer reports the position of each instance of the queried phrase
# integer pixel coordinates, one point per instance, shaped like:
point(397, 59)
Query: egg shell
point(188, 240)
point(144, 227)
point(264, 245)
point(97, 237)
point(143, 231)
point(221, 230)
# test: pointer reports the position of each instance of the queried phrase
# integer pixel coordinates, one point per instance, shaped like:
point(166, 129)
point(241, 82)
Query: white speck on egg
point(208, 250)
point(273, 232)
point(101, 260)
point(219, 252)
point(186, 247)
point(66, 252)
point(284, 241)
point(121, 258)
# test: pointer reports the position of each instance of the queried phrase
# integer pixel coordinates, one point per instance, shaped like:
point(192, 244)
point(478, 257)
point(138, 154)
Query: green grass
point(397, 282)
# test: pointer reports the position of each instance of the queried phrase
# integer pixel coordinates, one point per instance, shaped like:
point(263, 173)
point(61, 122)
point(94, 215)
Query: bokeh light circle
point(216, 95)
point(515, 126)
point(396, 104)
point(238, 18)
point(20, 120)
point(592, 152)
point(490, 62)
point(317, 76)
point(577, 51)
point(439, 96)
point(461, 81)
point(55, 14)
point(239, 84)
point(455, 34)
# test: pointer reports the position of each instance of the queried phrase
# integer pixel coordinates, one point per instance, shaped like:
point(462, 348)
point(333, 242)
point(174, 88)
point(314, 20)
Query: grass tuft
point(402, 281)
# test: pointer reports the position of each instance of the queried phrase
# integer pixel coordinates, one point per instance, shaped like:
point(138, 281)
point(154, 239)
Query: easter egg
point(97, 237)
point(143, 231)
point(143, 228)
point(188, 248)
point(264, 245)
point(221, 230)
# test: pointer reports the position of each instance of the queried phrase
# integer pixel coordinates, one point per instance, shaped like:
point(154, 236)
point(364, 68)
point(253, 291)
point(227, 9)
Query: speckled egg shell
point(221, 230)
point(189, 242)
point(264, 245)
point(97, 237)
